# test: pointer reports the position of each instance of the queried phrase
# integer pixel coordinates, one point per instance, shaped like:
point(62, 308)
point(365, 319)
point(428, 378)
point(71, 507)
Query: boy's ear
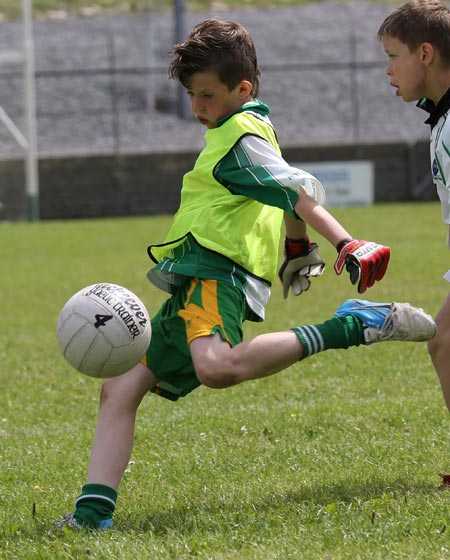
point(427, 53)
point(245, 88)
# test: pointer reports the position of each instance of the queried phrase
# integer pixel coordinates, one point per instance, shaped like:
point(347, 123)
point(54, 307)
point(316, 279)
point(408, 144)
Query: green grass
point(335, 458)
point(11, 9)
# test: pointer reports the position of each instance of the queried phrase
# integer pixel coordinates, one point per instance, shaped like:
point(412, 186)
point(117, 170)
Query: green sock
point(96, 503)
point(339, 332)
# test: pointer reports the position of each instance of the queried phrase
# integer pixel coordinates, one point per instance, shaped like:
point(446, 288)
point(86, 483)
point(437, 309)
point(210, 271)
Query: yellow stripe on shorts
point(201, 310)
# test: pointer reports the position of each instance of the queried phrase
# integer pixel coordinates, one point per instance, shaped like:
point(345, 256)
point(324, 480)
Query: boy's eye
point(204, 95)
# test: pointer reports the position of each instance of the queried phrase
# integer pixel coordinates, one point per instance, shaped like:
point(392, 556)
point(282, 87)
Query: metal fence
point(102, 83)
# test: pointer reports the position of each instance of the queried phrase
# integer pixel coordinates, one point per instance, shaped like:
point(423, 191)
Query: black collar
point(436, 111)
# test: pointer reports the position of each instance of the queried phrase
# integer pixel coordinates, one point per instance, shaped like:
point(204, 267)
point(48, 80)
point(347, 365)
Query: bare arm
point(295, 229)
point(318, 218)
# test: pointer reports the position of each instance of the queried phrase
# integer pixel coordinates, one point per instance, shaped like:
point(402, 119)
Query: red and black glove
point(301, 261)
point(365, 261)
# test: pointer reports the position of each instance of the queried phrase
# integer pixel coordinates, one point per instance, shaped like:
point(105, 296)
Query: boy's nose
point(195, 104)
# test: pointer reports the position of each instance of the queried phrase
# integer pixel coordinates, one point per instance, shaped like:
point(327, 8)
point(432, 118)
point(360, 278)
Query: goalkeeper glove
point(301, 260)
point(365, 261)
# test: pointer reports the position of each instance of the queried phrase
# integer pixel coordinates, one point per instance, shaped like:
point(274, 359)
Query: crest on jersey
point(435, 170)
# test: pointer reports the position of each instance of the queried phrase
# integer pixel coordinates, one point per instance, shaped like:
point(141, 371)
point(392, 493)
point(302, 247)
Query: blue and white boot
point(390, 321)
point(69, 521)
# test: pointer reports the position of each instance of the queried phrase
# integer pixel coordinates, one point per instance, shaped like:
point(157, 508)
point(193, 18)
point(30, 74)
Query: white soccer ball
point(104, 330)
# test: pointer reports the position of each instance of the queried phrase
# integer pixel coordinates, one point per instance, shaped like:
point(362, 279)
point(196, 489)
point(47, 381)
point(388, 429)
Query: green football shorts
point(198, 308)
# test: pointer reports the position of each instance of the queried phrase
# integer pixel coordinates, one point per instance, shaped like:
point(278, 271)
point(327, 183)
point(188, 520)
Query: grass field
point(335, 458)
point(11, 9)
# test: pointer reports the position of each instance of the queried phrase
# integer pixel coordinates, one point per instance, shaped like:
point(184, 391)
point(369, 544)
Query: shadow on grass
point(185, 518)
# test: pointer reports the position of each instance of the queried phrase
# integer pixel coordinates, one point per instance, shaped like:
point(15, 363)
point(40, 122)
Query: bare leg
point(219, 366)
point(439, 349)
point(121, 396)
point(114, 437)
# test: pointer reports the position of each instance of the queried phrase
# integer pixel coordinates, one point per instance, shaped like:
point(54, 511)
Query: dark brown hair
point(417, 22)
point(219, 46)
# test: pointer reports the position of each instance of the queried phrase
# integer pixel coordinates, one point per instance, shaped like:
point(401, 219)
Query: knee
point(215, 376)
point(217, 366)
point(108, 392)
point(115, 394)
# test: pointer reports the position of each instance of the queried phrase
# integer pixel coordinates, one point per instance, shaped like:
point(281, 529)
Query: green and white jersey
point(254, 169)
point(232, 203)
point(439, 121)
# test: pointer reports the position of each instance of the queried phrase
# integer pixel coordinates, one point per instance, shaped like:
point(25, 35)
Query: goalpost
point(27, 140)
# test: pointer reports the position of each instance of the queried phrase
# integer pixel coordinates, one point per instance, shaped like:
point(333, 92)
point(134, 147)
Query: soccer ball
point(104, 330)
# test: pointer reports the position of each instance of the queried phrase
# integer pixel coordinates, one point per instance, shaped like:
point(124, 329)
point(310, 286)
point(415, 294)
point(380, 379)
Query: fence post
point(31, 166)
point(180, 34)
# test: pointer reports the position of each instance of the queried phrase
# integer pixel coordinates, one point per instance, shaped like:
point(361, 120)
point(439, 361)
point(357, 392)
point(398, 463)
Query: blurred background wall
point(110, 136)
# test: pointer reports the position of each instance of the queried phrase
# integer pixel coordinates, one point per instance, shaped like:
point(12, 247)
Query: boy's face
point(211, 99)
point(406, 69)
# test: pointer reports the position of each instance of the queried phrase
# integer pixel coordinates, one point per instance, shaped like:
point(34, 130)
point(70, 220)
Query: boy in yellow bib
point(219, 261)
